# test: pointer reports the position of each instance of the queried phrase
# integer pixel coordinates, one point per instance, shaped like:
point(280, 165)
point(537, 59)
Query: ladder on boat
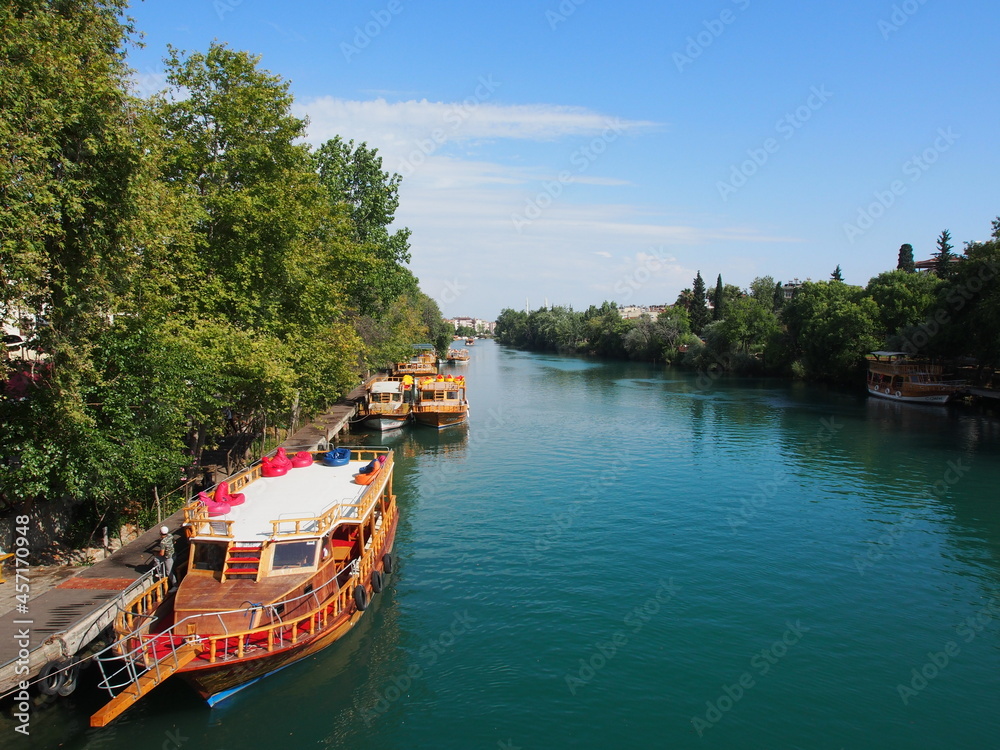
point(140, 685)
point(242, 560)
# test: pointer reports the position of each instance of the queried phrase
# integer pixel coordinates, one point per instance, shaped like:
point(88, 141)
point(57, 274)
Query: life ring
point(377, 581)
point(387, 563)
point(887, 390)
point(361, 598)
point(898, 394)
point(51, 678)
point(72, 677)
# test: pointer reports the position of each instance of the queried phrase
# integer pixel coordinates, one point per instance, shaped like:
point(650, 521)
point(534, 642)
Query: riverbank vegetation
point(180, 266)
point(821, 331)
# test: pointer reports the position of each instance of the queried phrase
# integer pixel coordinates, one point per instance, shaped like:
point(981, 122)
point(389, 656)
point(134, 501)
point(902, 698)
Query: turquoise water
point(615, 555)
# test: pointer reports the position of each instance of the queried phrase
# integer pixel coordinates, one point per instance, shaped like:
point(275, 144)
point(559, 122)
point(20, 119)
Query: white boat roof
point(386, 386)
point(305, 492)
point(890, 354)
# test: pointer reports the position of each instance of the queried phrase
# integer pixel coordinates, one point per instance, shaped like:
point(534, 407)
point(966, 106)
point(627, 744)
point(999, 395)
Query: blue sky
point(583, 150)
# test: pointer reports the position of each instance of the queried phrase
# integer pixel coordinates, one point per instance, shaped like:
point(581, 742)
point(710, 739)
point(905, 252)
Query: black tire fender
point(51, 678)
point(72, 677)
point(377, 580)
point(360, 598)
point(387, 563)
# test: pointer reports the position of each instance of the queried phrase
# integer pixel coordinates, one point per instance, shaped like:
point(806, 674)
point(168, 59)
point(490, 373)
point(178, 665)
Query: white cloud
point(389, 123)
point(467, 249)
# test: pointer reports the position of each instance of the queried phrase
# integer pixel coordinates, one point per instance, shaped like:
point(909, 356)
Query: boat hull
point(931, 398)
point(386, 422)
point(440, 420)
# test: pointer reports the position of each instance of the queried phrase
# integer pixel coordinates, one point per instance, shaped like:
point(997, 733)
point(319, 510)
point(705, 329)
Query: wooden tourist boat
point(441, 401)
point(458, 356)
point(470, 341)
point(424, 363)
point(893, 375)
point(388, 403)
point(279, 567)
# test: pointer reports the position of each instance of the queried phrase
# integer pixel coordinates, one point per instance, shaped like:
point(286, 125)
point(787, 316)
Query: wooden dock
point(63, 621)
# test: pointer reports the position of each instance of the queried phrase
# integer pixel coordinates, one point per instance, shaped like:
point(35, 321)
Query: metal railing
point(197, 518)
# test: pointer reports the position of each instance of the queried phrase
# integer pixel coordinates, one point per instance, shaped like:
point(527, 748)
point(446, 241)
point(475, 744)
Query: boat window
point(209, 556)
point(294, 555)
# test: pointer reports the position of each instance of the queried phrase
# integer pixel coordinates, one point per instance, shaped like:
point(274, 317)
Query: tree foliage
point(175, 261)
point(943, 255)
point(699, 308)
point(905, 262)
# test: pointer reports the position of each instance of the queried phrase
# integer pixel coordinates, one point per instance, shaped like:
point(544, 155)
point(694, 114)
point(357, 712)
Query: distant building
point(931, 265)
point(476, 324)
point(634, 312)
point(791, 288)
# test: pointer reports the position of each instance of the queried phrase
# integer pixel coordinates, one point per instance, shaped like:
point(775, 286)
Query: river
point(619, 555)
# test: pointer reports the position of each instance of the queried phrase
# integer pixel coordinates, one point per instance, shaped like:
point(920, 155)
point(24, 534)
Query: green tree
point(699, 309)
point(831, 326)
point(837, 275)
point(971, 299)
point(905, 262)
point(718, 300)
point(944, 256)
point(353, 178)
point(902, 298)
point(511, 328)
point(762, 289)
point(76, 204)
point(778, 297)
point(685, 299)
point(748, 326)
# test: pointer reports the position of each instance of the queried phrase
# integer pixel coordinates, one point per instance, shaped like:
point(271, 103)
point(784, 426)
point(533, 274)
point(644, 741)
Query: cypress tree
point(719, 300)
point(699, 308)
point(778, 300)
point(906, 259)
